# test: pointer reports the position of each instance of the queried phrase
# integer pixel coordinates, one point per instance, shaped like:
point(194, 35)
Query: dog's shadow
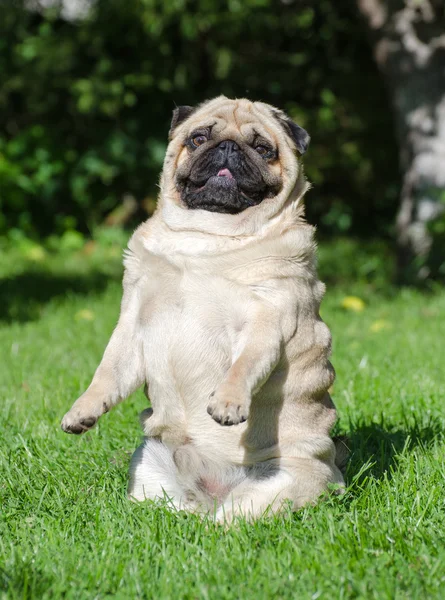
point(379, 446)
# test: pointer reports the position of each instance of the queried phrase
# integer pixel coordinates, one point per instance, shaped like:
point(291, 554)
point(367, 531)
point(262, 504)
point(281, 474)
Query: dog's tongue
point(225, 173)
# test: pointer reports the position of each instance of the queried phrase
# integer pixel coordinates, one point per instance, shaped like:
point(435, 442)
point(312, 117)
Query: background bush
point(85, 105)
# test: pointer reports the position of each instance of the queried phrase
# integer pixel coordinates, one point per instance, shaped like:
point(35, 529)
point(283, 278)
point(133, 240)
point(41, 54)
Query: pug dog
point(220, 320)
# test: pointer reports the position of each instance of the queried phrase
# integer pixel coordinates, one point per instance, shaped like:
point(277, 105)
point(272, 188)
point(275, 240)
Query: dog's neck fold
point(281, 211)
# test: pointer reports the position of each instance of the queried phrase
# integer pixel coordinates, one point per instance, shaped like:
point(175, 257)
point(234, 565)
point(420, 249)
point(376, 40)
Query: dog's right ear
point(180, 114)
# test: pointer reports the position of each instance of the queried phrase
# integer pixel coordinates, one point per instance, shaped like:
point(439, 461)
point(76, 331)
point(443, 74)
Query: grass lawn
point(68, 531)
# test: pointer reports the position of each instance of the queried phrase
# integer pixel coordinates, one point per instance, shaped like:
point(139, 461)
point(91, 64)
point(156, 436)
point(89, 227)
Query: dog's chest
point(190, 322)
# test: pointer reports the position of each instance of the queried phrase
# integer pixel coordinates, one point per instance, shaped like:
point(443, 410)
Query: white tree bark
point(409, 46)
point(70, 10)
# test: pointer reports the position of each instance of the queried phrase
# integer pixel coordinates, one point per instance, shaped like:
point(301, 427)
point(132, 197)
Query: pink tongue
point(225, 173)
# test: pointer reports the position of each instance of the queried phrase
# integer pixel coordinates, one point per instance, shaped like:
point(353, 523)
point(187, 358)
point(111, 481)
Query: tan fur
point(225, 305)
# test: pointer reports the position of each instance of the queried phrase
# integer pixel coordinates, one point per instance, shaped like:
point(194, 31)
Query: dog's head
point(228, 156)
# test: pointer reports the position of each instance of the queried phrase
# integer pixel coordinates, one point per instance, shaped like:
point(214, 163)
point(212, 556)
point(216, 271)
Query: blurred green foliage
point(85, 106)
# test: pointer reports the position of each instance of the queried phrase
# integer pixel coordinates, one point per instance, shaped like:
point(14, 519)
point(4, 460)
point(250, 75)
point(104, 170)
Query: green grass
point(68, 531)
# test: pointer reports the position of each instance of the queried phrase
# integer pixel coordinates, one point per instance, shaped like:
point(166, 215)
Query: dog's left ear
point(180, 114)
point(299, 135)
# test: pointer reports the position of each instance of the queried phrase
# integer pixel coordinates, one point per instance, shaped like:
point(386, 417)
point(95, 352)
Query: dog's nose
point(229, 147)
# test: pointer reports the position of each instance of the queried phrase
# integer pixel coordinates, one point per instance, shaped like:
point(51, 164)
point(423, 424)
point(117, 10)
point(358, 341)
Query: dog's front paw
point(76, 422)
point(229, 406)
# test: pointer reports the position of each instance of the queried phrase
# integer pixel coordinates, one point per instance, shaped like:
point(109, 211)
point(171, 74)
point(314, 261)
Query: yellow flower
point(85, 315)
point(353, 303)
point(379, 325)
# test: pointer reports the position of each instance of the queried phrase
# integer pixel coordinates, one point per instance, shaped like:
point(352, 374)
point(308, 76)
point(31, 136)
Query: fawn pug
point(220, 320)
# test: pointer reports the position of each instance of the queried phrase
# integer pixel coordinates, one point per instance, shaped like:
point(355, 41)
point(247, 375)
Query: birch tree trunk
point(408, 38)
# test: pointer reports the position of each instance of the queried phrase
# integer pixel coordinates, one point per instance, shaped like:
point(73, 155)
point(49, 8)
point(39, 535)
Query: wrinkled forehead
point(238, 120)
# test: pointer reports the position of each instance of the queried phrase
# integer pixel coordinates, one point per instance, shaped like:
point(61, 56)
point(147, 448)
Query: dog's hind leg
point(270, 486)
point(262, 490)
point(153, 474)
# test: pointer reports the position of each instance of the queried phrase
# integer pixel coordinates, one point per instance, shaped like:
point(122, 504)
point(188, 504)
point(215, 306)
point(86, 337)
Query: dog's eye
point(262, 150)
point(198, 140)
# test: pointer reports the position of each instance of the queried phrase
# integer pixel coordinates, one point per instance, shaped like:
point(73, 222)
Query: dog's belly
point(184, 355)
point(191, 336)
